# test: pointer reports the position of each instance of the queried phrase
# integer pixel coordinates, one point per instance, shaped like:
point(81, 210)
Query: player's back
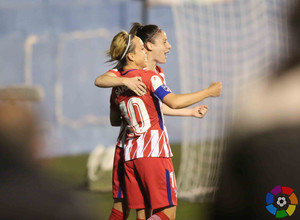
point(142, 112)
point(144, 115)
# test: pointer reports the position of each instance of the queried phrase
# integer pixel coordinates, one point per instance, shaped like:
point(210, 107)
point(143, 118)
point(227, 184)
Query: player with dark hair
point(147, 152)
point(157, 46)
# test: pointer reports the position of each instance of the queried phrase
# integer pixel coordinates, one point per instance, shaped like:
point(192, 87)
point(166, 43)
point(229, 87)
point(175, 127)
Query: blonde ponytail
point(119, 47)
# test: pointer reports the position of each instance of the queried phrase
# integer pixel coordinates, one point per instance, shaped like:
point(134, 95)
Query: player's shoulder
point(159, 69)
point(117, 72)
point(148, 74)
point(153, 78)
point(132, 72)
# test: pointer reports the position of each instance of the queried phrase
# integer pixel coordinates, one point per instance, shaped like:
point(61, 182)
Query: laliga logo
point(281, 201)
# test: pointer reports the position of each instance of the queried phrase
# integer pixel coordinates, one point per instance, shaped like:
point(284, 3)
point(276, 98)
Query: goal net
point(237, 42)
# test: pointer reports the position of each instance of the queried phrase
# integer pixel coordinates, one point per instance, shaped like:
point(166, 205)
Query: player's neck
point(131, 66)
point(151, 65)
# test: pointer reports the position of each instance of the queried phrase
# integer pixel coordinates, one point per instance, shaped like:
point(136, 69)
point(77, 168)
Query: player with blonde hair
point(157, 45)
point(147, 152)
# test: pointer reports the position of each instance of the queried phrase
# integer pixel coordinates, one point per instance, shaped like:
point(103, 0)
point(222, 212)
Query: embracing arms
point(175, 101)
point(115, 118)
point(198, 111)
point(109, 79)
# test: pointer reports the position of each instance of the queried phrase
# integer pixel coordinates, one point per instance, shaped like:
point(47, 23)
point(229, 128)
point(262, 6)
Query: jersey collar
point(124, 73)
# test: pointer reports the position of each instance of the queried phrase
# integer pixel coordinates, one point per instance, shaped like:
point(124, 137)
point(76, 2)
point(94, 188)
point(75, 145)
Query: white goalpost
point(237, 42)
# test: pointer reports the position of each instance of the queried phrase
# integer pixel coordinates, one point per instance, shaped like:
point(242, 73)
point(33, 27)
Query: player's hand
point(199, 111)
point(136, 85)
point(215, 89)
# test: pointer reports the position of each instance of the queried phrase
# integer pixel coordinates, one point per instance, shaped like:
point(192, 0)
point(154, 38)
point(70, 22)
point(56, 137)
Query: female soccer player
point(149, 170)
point(157, 46)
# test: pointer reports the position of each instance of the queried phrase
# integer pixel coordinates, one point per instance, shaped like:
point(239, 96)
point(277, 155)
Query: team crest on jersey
point(156, 82)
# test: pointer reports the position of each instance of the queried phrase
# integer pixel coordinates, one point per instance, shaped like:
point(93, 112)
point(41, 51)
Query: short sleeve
point(115, 71)
point(158, 87)
point(160, 71)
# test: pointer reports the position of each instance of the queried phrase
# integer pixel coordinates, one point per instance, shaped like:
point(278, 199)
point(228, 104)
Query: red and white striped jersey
point(114, 106)
point(149, 137)
point(160, 71)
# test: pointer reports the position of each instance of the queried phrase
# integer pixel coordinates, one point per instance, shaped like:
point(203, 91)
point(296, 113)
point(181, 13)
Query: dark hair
point(146, 33)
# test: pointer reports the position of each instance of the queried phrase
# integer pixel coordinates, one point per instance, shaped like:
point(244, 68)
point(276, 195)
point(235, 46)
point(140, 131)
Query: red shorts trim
point(150, 182)
point(118, 182)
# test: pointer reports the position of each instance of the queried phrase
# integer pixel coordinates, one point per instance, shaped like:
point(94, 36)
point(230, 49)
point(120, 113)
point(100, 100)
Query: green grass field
point(71, 170)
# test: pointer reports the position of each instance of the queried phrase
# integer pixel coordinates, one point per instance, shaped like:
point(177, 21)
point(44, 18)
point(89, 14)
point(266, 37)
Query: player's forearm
point(176, 112)
point(115, 118)
point(184, 100)
point(106, 81)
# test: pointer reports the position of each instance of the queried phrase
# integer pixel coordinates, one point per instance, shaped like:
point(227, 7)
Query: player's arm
point(114, 113)
point(198, 111)
point(177, 101)
point(109, 79)
point(115, 118)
